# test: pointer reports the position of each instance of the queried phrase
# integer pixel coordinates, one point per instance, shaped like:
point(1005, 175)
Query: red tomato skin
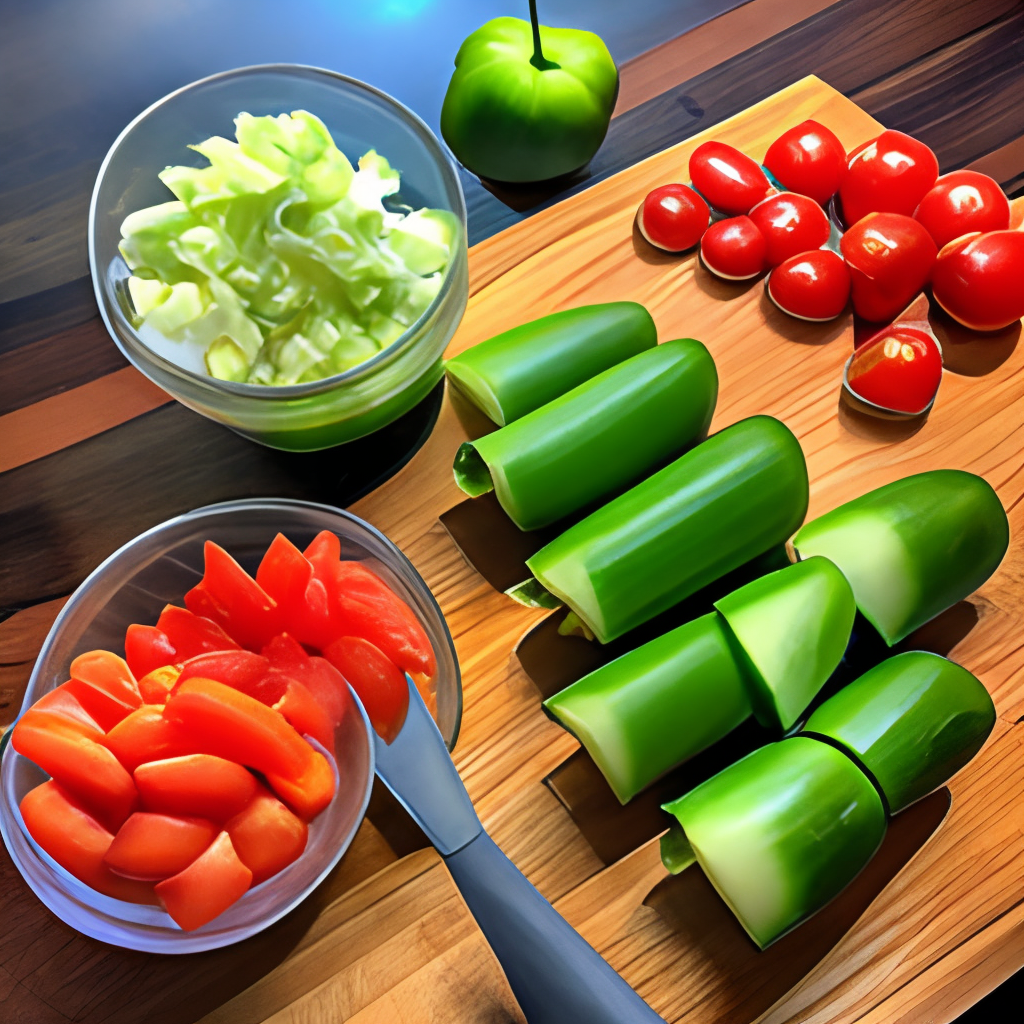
point(195, 785)
point(381, 686)
point(327, 685)
point(241, 670)
point(728, 179)
point(790, 224)
point(673, 217)
point(207, 887)
point(889, 174)
point(150, 847)
point(961, 202)
point(734, 249)
point(899, 370)
point(808, 159)
point(147, 648)
point(890, 257)
point(309, 718)
point(190, 634)
point(979, 279)
point(73, 837)
point(266, 835)
point(812, 285)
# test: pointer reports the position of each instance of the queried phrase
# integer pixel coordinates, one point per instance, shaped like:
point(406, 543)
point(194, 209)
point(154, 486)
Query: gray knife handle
point(555, 975)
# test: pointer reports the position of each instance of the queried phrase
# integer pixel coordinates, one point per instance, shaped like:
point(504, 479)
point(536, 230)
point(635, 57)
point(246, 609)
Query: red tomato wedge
point(146, 649)
point(151, 847)
point(900, 370)
point(146, 735)
point(327, 685)
point(77, 842)
point(301, 709)
point(155, 686)
point(287, 576)
point(192, 634)
point(60, 709)
point(89, 771)
point(242, 670)
point(325, 545)
point(207, 887)
point(231, 724)
point(195, 784)
point(309, 793)
point(229, 596)
point(381, 686)
point(267, 836)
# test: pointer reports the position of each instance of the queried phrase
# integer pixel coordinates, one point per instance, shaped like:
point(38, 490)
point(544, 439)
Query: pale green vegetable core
point(278, 263)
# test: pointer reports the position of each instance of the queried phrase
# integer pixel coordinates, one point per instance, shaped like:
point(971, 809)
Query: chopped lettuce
point(279, 263)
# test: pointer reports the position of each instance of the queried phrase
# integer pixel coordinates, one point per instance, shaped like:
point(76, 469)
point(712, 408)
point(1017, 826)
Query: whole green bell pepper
point(528, 102)
point(597, 439)
point(914, 547)
point(913, 722)
point(526, 367)
point(713, 509)
point(779, 833)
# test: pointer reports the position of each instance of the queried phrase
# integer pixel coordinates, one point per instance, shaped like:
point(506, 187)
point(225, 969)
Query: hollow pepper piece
point(522, 369)
point(199, 785)
point(912, 721)
point(266, 835)
point(914, 547)
point(604, 435)
point(721, 504)
point(779, 833)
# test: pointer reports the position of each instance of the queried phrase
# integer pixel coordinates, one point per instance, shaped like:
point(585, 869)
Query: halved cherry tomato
point(207, 887)
point(192, 634)
point(229, 596)
point(673, 217)
point(156, 685)
point(195, 784)
point(961, 202)
point(890, 257)
point(900, 369)
point(889, 174)
point(808, 159)
point(241, 670)
point(266, 835)
point(90, 772)
point(381, 686)
point(150, 847)
point(146, 735)
point(77, 842)
point(728, 179)
point(310, 719)
point(734, 249)
point(309, 793)
point(812, 285)
point(327, 685)
point(147, 648)
point(979, 279)
point(224, 721)
point(60, 709)
point(790, 224)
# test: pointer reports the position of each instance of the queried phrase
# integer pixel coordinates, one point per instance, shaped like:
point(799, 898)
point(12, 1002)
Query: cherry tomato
point(266, 835)
point(808, 159)
point(728, 179)
point(150, 847)
point(199, 785)
point(979, 279)
point(812, 285)
point(889, 174)
point(890, 257)
point(381, 686)
point(734, 249)
point(961, 202)
point(790, 224)
point(899, 369)
point(673, 217)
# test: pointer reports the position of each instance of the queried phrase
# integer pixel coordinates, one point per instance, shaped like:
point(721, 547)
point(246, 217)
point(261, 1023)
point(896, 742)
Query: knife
point(555, 975)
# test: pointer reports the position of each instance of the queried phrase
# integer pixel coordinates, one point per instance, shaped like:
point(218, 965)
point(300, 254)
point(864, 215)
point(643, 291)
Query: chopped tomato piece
point(229, 596)
point(267, 836)
point(327, 685)
point(89, 771)
point(233, 725)
point(151, 847)
point(325, 545)
point(207, 887)
point(105, 708)
point(284, 574)
point(309, 793)
point(381, 686)
point(155, 686)
point(310, 719)
point(109, 673)
point(147, 648)
point(77, 842)
point(61, 709)
point(241, 670)
point(146, 735)
point(195, 784)
point(192, 634)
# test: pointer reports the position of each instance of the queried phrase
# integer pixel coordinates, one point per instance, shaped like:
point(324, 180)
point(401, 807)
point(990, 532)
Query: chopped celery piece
point(279, 262)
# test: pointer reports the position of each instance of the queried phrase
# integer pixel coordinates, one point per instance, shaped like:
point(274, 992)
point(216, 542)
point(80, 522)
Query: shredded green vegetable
point(278, 263)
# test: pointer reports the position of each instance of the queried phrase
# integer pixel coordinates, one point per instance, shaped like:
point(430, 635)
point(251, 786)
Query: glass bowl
point(133, 585)
point(296, 417)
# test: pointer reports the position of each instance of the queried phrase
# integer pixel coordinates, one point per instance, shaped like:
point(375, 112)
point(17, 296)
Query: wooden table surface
point(91, 454)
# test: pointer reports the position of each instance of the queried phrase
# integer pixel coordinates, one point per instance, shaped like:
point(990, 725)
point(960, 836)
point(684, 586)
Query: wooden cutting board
point(932, 924)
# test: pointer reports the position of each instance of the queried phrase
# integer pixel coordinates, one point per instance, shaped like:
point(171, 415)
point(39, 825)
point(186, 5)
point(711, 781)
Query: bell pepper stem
point(538, 60)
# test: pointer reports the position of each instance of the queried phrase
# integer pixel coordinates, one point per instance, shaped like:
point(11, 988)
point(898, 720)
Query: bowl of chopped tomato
point(194, 753)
